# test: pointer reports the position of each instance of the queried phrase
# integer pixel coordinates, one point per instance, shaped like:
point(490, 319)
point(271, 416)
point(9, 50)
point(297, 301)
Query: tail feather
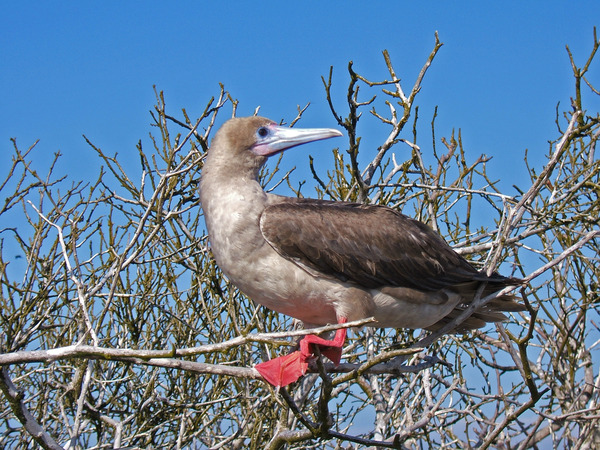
point(490, 312)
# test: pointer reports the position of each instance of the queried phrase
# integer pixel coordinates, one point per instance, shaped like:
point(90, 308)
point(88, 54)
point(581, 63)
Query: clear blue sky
point(73, 68)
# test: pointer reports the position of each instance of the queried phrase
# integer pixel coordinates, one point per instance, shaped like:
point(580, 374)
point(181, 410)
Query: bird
point(326, 262)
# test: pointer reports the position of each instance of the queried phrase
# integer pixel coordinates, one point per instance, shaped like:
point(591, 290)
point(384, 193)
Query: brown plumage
point(324, 262)
point(379, 248)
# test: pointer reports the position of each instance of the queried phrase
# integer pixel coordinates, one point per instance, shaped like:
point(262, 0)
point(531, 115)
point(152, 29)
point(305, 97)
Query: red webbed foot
point(286, 369)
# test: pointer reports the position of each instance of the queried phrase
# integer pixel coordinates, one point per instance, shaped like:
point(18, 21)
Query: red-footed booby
point(328, 262)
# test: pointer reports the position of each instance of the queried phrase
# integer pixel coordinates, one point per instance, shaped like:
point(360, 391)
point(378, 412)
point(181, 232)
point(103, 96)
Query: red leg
point(286, 369)
point(330, 348)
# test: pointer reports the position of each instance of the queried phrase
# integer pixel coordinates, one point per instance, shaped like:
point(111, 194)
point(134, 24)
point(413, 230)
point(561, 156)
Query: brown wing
point(371, 246)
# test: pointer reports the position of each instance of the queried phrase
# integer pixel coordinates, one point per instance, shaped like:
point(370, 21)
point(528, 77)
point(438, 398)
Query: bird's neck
point(224, 188)
point(234, 195)
point(232, 208)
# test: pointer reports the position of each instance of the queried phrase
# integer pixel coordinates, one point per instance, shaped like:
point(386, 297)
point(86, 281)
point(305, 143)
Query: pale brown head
point(245, 143)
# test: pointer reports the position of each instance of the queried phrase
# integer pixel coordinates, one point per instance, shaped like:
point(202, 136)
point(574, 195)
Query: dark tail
point(492, 311)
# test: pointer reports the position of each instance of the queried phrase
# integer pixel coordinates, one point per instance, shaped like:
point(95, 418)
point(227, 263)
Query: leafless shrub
point(120, 331)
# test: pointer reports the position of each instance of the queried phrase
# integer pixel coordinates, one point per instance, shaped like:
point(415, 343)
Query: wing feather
point(372, 246)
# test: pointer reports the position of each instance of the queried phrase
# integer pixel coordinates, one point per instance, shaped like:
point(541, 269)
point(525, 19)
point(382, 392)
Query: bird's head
point(249, 141)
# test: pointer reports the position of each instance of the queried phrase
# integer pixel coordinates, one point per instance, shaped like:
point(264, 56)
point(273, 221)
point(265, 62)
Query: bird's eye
point(262, 132)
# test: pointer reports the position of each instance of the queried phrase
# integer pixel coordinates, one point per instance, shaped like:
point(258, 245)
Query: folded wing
point(371, 246)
